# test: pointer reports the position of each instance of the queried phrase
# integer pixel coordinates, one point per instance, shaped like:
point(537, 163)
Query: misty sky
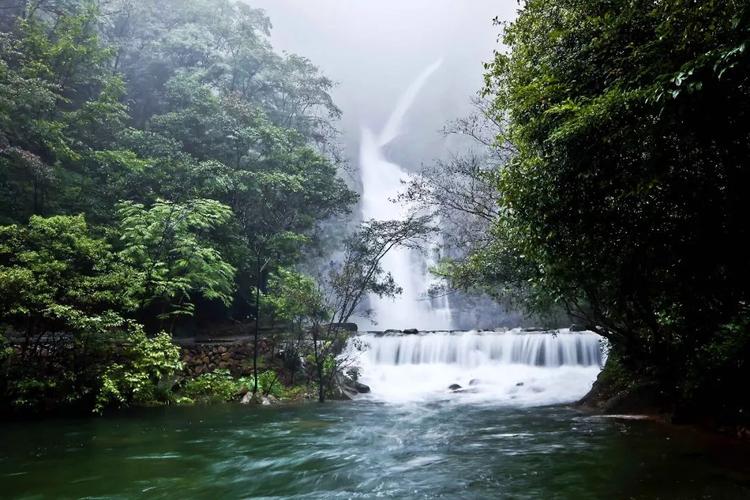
point(375, 48)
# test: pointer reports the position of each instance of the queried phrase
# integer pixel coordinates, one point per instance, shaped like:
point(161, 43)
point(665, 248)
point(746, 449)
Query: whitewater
point(513, 368)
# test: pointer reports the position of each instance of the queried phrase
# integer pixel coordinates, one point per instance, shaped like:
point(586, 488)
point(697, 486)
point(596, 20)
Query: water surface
point(366, 449)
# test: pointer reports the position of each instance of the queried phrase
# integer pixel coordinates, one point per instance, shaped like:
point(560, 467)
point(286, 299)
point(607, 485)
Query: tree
point(461, 193)
point(170, 243)
point(277, 207)
point(64, 292)
point(224, 45)
point(624, 200)
point(54, 271)
point(297, 300)
point(360, 272)
point(322, 306)
point(59, 107)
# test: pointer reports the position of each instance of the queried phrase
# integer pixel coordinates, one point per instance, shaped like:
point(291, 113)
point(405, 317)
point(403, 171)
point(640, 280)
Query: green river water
point(366, 449)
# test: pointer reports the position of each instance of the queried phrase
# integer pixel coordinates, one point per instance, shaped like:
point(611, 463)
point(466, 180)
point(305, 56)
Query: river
point(507, 432)
point(366, 449)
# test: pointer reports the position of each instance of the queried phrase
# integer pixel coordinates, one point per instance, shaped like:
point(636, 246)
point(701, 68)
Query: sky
point(374, 49)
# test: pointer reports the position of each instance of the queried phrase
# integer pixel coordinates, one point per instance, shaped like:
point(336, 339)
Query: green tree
point(54, 271)
point(170, 244)
point(59, 109)
point(63, 293)
point(624, 200)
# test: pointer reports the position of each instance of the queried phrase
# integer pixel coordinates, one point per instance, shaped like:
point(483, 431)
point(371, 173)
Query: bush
point(216, 386)
point(220, 386)
point(145, 376)
point(269, 384)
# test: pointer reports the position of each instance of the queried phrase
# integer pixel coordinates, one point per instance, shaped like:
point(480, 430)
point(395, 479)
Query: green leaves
point(295, 298)
point(144, 375)
point(53, 268)
point(631, 126)
point(171, 244)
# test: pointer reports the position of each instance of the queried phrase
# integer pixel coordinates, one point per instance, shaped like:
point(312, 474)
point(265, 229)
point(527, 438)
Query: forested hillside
point(159, 160)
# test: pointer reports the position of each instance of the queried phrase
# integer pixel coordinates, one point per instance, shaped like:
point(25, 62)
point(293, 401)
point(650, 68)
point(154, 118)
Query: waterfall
point(513, 367)
point(381, 182)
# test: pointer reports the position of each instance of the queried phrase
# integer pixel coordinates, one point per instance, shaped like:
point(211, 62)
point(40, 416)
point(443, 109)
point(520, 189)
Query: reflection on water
point(366, 449)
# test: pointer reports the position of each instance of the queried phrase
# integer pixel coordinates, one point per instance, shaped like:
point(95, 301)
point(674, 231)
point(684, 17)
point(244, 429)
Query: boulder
point(519, 384)
point(474, 381)
point(360, 387)
point(411, 331)
point(454, 387)
point(392, 331)
point(347, 387)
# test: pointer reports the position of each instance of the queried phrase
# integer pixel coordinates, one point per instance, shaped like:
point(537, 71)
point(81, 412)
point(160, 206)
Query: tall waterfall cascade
point(515, 367)
point(381, 183)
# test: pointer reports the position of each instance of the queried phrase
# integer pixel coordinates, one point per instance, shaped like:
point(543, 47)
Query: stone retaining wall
point(235, 356)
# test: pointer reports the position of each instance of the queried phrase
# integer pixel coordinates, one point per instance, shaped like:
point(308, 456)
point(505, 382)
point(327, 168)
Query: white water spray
point(381, 182)
point(513, 368)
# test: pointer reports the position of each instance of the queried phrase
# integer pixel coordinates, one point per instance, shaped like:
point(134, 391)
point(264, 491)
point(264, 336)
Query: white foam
point(514, 368)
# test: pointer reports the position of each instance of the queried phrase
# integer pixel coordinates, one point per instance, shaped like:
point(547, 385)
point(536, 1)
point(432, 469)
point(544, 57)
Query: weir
point(514, 367)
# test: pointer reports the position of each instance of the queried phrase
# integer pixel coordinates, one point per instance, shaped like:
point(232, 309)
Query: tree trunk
point(257, 326)
point(318, 366)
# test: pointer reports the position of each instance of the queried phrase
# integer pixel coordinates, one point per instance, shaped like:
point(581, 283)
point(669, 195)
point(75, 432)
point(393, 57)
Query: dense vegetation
point(627, 128)
point(161, 167)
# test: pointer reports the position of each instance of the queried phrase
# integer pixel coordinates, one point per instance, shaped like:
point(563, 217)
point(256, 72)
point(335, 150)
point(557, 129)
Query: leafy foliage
point(55, 276)
point(158, 160)
point(144, 373)
point(219, 386)
point(216, 386)
point(624, 198)
point(171, 243)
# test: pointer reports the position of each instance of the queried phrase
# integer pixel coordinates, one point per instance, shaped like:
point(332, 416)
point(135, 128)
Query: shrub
point(146, 374)
point(215, 386)
point(220, 386)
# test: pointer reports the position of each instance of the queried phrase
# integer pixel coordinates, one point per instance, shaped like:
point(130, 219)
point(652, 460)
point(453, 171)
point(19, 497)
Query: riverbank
point(611, 395)
point(56, 375)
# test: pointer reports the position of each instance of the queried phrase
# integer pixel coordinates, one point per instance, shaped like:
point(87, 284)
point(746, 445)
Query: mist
point(375, 49)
